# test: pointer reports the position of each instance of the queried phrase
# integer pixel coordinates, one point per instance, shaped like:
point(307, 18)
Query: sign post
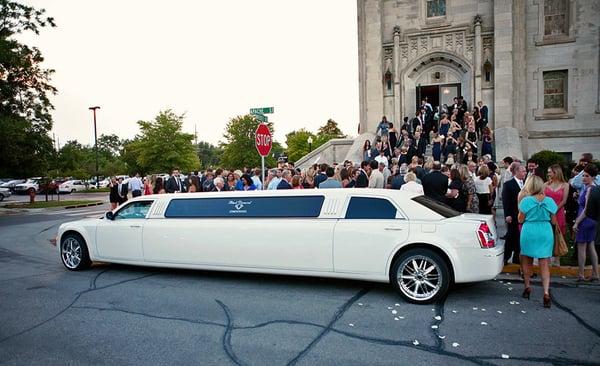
point(263, 142)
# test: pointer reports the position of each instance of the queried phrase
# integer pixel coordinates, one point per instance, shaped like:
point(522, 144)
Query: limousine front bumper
point(479, 264)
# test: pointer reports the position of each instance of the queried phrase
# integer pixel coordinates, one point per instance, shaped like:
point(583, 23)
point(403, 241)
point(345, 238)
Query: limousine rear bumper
point(478, 264)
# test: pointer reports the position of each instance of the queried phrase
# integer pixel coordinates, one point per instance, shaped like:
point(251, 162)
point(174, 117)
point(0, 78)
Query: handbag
point(560, 246)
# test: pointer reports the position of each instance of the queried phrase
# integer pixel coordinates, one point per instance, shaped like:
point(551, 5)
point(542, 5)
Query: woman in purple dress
point(586, 227)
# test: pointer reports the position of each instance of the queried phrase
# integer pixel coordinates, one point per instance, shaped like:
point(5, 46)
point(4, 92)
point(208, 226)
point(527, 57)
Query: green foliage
point(239, 149)
point(209, 154)
point(162, 146)
point(330, 129)
point(25, 119)
point(546, 158)
point(297, 144)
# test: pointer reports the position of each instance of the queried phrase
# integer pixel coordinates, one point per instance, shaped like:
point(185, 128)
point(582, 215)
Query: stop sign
point(263, 139)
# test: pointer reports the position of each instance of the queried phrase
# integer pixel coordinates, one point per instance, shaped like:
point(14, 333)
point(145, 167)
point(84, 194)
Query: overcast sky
point(211, 60)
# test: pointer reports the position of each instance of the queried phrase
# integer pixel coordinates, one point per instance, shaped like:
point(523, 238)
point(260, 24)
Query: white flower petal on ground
point(455, 344)
point(516, 302)
point(434, 327)
point(505, 356)
point(508, 283)
point(396, 318)
point(510, 289)
point(523, 311)
point(513, 302)
point(401, 317)
point(437, 317)
point(351, 325)
point(441, 337)
point(563, 277)
point(360, 304)
point(475, 307)
point(482, 309)
point(390, 308)
point(454, 311)
point(484, 323)
point(397, 304)
point(415, 342)
point(499, 312)
point(394, 312)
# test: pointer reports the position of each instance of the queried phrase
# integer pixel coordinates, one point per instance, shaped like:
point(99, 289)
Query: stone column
point(508, 138)
point(397, 90)
point(370, 61)
point(477, 52)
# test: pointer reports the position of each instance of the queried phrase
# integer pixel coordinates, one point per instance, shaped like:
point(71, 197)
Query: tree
point(297, 144)
point(209, 154)
point(162, 146)
point(25, 119)
point(76, 160)
point(109, 146)
point(239, 149)
point(328, 131)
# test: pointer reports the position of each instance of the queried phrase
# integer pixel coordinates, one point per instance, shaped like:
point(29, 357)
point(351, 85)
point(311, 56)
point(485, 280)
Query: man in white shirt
point(276, 179)
point(381, 158)
point(256, 179)
point(135, 184)
point(386, 173)
point(376, 179)
point(472, 169)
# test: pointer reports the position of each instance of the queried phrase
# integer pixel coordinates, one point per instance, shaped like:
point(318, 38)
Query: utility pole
point(96, 144)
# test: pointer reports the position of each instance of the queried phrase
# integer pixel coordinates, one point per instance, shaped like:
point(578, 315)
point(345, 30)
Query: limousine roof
point(335, 199)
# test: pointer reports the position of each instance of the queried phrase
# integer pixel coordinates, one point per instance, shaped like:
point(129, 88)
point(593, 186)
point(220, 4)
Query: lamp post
point(310, 141)
point(96, 144)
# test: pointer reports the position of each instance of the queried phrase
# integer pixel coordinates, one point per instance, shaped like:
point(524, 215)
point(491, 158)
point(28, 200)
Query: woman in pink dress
point(557, 188)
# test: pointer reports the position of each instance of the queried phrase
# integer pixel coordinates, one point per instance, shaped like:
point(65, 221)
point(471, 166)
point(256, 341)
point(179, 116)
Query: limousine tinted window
point(435, 206)
point(370, 208)
point(293, 206)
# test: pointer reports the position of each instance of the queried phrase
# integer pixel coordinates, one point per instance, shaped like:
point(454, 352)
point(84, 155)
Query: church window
point(555, 17)
point(555, 89)
point(389, 90)
point(436, 8)
point(487, 72)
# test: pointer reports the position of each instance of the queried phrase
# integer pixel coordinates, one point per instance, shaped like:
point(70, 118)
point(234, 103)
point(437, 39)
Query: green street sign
point(263, 110)
point(260, 117)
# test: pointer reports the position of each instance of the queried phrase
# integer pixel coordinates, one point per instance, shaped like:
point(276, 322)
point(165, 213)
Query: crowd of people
point(454, 174)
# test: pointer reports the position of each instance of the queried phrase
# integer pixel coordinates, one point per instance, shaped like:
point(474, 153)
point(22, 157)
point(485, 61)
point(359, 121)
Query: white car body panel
point(327, 246)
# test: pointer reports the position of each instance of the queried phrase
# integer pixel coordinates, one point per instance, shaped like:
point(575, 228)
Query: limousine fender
point(76, 244)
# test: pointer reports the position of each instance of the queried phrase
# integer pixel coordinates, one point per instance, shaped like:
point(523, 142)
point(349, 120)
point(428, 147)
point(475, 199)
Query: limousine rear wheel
point(420, 276)
point(74, 252)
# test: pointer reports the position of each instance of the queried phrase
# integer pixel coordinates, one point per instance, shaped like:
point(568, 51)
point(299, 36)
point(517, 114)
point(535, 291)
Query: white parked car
point(72, 186)
point(31, 185)
point(418, 245)
point(104, 183)
point(4, 193)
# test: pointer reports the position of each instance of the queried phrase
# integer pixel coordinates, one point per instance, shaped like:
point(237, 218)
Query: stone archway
point(437, 68)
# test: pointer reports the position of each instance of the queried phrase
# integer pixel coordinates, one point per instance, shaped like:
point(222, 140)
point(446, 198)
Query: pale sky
point(212, 60)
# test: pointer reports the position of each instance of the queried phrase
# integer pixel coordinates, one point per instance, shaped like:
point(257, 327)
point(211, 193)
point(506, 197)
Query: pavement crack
point(226, 339)
point(577, 317)
point(338, 314)
point(95, 278)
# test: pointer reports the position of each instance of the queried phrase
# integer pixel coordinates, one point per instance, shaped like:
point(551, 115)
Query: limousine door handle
point(394, 228)
point(135, 225)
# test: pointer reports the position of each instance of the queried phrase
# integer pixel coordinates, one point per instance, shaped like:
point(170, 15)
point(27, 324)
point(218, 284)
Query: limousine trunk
point(418, 245)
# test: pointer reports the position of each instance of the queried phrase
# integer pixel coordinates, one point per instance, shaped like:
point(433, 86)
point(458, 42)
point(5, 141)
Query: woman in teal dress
point(537, 212)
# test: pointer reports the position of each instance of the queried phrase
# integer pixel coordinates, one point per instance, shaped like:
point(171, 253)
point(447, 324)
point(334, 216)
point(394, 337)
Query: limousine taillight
point(484, 234)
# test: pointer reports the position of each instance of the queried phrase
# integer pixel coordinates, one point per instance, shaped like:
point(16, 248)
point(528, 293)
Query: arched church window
point(389, 90)
point(436, 8)
point(487, 72)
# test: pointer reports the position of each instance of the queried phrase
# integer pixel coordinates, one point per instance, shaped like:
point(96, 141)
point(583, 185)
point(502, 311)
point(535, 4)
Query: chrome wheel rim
point(419, 278)
point(71, 252)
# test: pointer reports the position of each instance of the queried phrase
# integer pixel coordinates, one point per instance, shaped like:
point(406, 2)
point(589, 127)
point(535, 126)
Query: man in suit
point(123, 189)
point(421, 144)
point(417, 121)
point(286, 178)
point(219, 185)
point(321, 177)
point(483, 111)
point(330, 182)
point(533, 169)
point(174, 183)
point(362, 181)
point(510, 194)
point(435, 183)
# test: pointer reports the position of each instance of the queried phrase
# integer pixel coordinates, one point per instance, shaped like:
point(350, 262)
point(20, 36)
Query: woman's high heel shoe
point(547, 301)
point(527, 293)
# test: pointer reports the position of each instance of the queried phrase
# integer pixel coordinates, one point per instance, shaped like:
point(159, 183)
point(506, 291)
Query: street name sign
point(262, 110)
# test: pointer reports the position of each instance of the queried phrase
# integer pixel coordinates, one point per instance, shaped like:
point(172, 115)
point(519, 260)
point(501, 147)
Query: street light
point(96, 145)
point(310, 141)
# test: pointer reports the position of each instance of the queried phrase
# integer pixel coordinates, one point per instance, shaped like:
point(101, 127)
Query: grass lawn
point(106, 190)
point(44, 204)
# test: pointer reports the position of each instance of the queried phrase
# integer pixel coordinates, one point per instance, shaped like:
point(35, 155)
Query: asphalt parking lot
point(114, 314)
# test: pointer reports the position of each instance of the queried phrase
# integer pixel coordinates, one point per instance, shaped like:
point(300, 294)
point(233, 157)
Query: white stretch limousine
point(411, 241)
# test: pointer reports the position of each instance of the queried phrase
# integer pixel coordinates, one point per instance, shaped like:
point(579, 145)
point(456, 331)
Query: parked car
point(72, 186)
point(104, 183)
point(418, 245)
point(31, 185)
point(4, 193)
point(11, 184)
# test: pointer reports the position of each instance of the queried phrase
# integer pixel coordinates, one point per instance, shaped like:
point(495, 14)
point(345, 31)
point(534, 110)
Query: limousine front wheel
point(74, 253)
point(420, 276)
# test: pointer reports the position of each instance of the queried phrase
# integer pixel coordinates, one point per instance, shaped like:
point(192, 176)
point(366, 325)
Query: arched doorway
point(438, 76)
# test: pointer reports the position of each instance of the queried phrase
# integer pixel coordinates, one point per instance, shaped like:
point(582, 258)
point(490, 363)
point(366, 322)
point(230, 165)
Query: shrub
point(546, 158)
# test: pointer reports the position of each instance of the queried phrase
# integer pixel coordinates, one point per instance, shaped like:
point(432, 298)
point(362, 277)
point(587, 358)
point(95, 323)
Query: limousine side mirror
point(110, 215)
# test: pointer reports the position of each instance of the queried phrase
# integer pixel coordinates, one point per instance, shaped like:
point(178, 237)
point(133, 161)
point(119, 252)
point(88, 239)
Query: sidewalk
point(563, 272)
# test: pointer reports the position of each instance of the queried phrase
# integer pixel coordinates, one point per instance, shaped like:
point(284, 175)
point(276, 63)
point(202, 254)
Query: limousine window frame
point(124, 206)
point(248, 198)
point(400, 215)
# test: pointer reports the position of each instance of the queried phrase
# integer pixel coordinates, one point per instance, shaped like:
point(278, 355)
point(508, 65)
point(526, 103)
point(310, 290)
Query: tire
point(74, 253)
point(73, 190)
point(426, 287)
point(1, 197)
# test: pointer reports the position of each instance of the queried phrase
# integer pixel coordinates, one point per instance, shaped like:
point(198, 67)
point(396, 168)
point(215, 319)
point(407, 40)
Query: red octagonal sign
point(263, 139)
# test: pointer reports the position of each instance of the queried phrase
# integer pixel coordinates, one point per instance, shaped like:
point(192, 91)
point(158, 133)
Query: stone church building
point(534, 63)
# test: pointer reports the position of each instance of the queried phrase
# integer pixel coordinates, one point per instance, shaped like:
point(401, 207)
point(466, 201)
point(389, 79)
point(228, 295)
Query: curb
point(85, 205)
point(567, 271)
